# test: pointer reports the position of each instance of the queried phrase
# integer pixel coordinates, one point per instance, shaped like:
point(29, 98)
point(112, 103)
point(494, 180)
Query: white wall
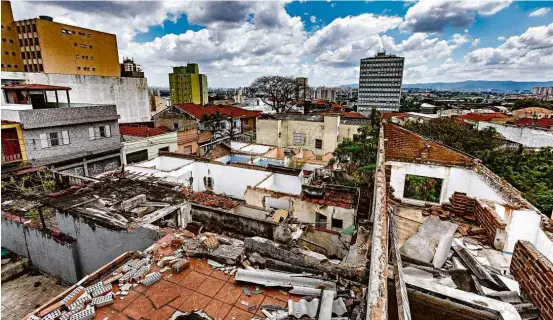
point(282, 183)
point(454, 179)
point(130, 95)
point(152, 144)
point(528, 137)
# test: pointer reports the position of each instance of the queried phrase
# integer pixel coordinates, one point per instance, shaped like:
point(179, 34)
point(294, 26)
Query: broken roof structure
point(462, 248)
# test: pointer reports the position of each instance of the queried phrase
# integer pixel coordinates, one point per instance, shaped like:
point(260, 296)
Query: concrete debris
point(448, 282)
point(180, 265)
point(415, 272)
point(151, 279)
point(479, 271)
point(431, 234)
point(506, 296)
point(214, 264)
point(210, 242)
point(279, 279)
point(304, 291)
point(102, 300)
point(86, 314)
point(510, 283)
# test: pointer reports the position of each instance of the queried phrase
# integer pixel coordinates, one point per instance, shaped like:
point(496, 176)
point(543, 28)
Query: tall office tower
point(51, 47)
point(187, 85)
point(11, 56)
point(380, 80)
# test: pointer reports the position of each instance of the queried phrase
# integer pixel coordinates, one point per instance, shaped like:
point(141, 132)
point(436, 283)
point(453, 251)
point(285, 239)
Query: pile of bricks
point(209, 199)
point(488, 219)
point(534, 272)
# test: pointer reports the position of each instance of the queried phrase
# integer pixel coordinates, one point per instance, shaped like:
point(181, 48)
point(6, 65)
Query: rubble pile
point(208, 198)
point(180, 253)
point(438, 253)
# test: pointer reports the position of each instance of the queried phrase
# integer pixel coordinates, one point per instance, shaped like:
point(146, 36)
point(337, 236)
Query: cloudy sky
point(235, 42)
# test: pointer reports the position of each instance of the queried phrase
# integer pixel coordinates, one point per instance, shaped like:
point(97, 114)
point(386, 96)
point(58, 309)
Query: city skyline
point(324, 41)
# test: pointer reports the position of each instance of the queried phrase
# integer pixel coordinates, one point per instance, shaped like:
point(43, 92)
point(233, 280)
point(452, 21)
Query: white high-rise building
point(380, 80)
point(326, 93)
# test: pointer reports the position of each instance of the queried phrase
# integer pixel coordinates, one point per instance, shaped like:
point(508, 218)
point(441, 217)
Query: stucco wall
point(44, 251)
point(97, 245)
point(454, 179)
point(267, 132)
point(130, 95)
point(528, 137)
point(152, 144)
point(347, 131)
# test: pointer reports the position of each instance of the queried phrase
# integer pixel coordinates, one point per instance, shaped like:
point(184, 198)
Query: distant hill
point(474, 85)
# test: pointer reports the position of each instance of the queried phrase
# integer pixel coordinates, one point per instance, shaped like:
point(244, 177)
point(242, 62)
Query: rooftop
point(484, 116)
point(198, 111)
point(140, 131)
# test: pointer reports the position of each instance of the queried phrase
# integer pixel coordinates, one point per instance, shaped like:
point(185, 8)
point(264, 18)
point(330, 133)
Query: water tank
point(47, 18)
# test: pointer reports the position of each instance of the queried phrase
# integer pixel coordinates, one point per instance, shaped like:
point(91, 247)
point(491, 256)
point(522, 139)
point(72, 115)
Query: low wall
point(97, 243)
point(242, 226)
point(54, 255)
point(528, 137)
point(534, 273)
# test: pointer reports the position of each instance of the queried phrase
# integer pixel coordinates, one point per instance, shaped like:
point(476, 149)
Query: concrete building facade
point(324, 93)
point(317, 133)
point(380, 79)
point(11, 57)
point(51, 47)
point(129, 95)
point(187, 85)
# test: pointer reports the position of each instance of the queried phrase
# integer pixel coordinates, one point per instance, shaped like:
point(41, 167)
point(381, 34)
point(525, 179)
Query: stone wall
point(534, 272)
point(55, 255)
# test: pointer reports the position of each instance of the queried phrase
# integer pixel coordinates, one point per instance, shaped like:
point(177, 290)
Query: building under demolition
point(180, 236)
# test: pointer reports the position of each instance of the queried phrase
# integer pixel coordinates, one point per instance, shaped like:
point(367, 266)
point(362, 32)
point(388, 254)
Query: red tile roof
point(484, 116)
point(353, 115)
point(142, 131)
point(528, 122)
point(34, 86)
point(197, 111)
point(388, 115)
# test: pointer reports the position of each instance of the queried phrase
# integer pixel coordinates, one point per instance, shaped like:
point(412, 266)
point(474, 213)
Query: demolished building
point(239, 248)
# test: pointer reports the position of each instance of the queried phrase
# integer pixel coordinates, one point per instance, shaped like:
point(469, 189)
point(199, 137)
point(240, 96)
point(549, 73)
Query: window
point(175, 125)
point(422, 188)
point(187, 149)
point(337, 224)
point(11, 40)
point(6, 53)
point(99, 132)
point(75, 44)
point(3, 40)
point(54, 139)
point(164, 149)
point(16, 66)
point(8, 27)
point(76, 56)
point(299, 138)
point(93, 69)
point(90, 46)
point(318, 144)
point(38, 54)
point(78, 68)
point(320, 220)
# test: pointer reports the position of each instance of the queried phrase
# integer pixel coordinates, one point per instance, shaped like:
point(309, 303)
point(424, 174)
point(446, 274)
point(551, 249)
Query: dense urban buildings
point(188, 85)
point(325, 93)
point(380, 79)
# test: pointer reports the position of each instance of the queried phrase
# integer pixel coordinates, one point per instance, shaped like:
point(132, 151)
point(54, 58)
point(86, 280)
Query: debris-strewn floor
point(27, 292)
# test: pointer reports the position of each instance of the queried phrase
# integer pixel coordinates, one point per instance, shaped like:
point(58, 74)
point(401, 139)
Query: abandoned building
point(179, 236)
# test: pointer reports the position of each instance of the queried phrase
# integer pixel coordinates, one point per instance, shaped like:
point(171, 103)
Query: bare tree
point(276, 91)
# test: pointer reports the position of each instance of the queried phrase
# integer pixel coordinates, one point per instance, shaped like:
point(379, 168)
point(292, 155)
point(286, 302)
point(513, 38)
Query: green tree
point(410, 104)
point(532, 102)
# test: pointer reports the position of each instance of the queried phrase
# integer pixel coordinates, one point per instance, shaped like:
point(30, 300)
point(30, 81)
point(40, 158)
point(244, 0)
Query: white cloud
point(313, 19)
point(435, 15)
point(539, 12)
point(475, 42)
point(501, 38)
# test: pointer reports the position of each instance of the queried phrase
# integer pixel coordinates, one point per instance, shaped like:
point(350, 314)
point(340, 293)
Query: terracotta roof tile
point(528, 122)
point(484, 116)
point(142, 131)
point(198, 111)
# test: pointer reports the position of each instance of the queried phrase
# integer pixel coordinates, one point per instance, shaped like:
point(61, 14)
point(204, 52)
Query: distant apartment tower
point(187, 85)
point(326, 93)
point(11, 57)
point(301, 88)
point(50, 47)
point(380, 80)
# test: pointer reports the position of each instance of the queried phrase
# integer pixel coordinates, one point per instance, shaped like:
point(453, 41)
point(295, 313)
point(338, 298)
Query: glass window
point(53, 139)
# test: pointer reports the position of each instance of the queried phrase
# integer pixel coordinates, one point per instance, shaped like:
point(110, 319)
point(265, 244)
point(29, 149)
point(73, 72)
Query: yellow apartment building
point(187, 85)
point(11, 57)
point(51, 47)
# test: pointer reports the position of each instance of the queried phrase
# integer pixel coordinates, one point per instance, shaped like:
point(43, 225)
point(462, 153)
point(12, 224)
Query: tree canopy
point(531, 102)
point(276, 91)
